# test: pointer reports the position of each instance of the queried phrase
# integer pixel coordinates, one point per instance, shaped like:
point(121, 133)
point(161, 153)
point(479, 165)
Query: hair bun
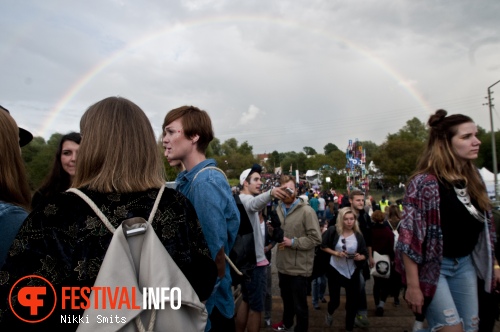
point(436, 118)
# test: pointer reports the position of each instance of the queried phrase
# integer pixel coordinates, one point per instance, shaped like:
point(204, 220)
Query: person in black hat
point(24, 136)
point(15, 196)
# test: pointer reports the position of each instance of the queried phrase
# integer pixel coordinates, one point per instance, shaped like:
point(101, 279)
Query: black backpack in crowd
point(242, 255)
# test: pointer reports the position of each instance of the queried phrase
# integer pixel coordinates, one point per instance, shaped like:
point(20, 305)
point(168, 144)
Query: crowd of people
point(435, 247)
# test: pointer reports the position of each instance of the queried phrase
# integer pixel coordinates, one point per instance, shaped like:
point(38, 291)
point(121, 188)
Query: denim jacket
point(219, 218)
point(11, 219)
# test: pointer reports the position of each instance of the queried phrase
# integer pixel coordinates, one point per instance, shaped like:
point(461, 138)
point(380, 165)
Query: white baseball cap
point(255, 168)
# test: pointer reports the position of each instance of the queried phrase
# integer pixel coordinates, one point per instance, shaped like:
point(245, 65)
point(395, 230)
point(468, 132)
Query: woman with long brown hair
point(446, 238)
point(15, 196)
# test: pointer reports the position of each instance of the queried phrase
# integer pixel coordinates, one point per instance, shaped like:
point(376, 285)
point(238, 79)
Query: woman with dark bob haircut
point(446, 237)
point(63, 169)
point(64, 241)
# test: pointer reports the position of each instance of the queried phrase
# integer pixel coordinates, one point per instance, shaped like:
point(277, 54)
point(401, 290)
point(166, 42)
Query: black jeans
point(335, 282)
point(294, 294)
point(219, 323)
point(488, 307)
point(381, 289)
point(395, 283)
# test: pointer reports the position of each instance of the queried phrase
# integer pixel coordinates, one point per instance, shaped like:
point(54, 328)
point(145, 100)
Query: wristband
point(293, 240)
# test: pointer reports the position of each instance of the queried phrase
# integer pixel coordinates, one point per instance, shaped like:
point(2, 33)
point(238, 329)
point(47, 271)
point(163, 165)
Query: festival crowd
point(104, 217)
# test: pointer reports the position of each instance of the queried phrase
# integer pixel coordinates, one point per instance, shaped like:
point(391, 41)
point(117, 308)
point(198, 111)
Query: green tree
point(289, 162)
point(413, 130)
point(485, 157)
point(397, 158)
point(274, 159)
point(337, 159)
point(235, 163)
point(229, 147)
point(214, 148)
point(371, 149)
point(330, 147)
point(309, 151)
point(39, 158)
point(245, 149)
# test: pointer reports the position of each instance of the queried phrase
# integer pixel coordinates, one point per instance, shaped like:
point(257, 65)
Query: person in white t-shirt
point(346, 245)
point(321, 206)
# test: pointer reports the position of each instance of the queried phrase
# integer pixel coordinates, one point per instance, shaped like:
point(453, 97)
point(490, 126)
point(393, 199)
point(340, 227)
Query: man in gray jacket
point(249, 312)
point(295, 256)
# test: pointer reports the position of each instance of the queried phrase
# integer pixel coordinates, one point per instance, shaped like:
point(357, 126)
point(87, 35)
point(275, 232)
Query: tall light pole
point(493, 143)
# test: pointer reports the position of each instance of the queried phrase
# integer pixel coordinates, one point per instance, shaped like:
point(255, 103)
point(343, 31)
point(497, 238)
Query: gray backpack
point(136, 259)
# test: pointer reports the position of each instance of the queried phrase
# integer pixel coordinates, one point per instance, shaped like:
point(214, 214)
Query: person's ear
point(195, 138)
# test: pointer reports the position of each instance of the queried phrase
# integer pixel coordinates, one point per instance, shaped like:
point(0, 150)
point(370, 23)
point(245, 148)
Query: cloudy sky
point(279, 74)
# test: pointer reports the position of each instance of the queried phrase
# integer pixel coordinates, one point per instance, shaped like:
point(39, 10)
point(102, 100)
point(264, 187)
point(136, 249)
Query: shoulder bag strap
point(204, 169)
point(194, 178)
point(210, 167)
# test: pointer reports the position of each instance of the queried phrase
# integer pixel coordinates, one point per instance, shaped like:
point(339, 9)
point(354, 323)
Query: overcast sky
point(279, 74)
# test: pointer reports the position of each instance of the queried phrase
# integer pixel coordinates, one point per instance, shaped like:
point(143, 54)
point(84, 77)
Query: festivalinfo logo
point(37, 300)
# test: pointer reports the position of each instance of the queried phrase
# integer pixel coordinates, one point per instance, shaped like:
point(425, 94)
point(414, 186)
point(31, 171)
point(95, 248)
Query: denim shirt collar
point(188, 176)
point(286, 210)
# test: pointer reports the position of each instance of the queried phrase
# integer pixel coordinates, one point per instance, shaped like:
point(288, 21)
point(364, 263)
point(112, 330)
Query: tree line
point(395, 158)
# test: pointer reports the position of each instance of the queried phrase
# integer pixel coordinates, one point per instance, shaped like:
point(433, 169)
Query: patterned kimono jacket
point(421, 237)
point(65, 242)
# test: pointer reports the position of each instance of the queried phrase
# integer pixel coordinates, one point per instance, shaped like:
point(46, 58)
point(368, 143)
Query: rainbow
point(137, 44)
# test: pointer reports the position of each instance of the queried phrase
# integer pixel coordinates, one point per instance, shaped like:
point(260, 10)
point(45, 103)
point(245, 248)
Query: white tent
point(489, 181)
point(313, 177)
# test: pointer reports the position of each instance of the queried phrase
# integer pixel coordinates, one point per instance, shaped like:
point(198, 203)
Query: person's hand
point(280, 192)
point(371, 262)
point(415, 299)
point(358, 257)
point(497, 280)
point(286, 242)
point(343, 254)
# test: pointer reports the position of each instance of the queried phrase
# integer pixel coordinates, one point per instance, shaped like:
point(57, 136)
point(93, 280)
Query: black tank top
point(460, 229)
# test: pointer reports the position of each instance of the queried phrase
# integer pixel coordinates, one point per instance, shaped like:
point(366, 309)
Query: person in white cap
point(249, 312)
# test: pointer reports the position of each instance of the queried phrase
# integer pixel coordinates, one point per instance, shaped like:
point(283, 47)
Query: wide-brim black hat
point(24, 136)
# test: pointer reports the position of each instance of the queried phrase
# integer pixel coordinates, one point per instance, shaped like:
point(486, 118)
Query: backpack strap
point(101, 215)
point(390, 225)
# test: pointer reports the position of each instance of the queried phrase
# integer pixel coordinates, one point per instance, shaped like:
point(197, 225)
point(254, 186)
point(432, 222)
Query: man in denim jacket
point(187, 131)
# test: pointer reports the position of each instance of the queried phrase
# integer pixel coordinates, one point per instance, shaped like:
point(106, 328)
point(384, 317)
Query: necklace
point(464, 198)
